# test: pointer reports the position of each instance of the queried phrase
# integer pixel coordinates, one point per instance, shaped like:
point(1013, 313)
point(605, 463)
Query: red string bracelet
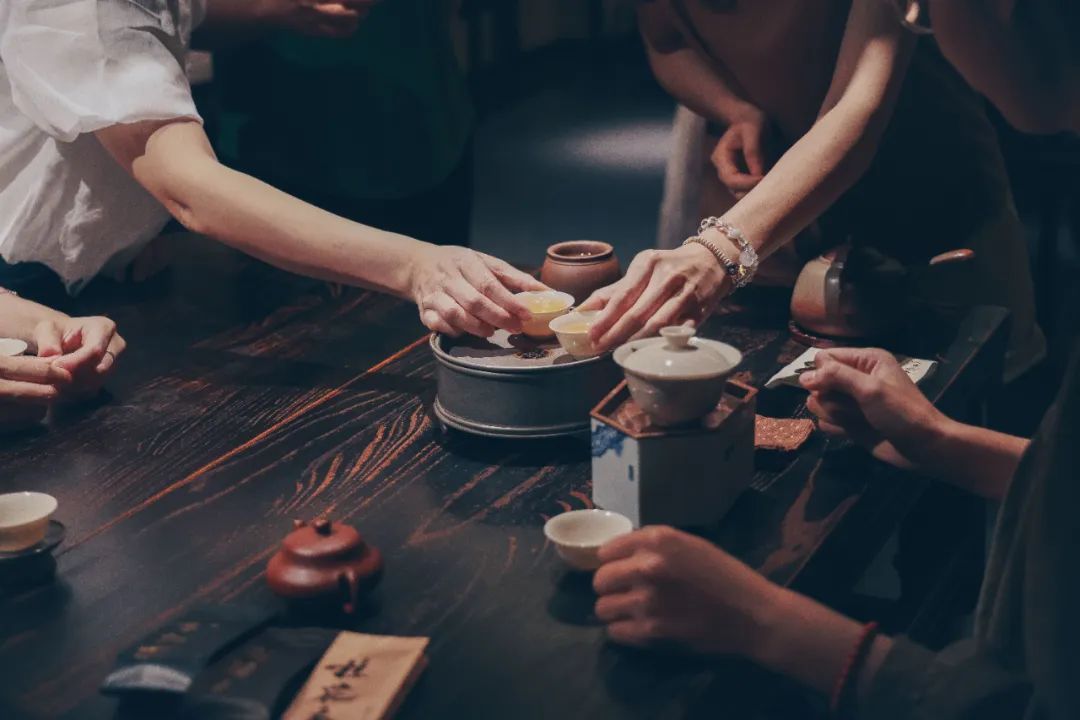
point(858, 655)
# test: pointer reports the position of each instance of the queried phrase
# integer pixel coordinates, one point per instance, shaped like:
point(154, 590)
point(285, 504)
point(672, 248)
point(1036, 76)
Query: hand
point(462, 291)
point(866, 396)
point(86, 348)
point(661, 288)
point(316, 18)
point(739, 157)
point(662, 585)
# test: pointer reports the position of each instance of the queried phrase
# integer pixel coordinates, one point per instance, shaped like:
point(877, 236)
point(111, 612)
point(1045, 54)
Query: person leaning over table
point(72, 357)
point(101, 142)
point(887, 146)
point(659, 584)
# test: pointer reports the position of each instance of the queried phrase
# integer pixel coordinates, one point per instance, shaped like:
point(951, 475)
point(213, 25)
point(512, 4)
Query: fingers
point(623, 294)
point(621, 547)
point(672, 312)
point(115, 349)
point(455, 317)
point(86, 343)
point(658, 292)
point(634, 604)
point(33, 370)
point(635, 633)
point(434, 322)
point(619, 576)
point(865, 359)
point(480, 307)
point(510, 276)
point(29, 393)
point(729, 152)
point(501, 301)
point(751, 148)
point(836, 377)
point(49, 339)
point(598, 300)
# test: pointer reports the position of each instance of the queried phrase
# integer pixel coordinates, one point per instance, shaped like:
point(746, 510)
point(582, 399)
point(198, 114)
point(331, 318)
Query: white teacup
point(24, 519)
point(578, 535)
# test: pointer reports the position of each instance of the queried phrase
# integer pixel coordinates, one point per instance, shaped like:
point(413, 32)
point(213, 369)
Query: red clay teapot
point(325, 562)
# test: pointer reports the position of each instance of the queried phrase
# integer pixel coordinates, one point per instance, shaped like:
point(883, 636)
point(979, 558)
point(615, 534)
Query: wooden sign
point(361, 677)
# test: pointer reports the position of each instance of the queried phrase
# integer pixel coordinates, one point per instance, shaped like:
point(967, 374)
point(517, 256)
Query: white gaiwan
point(677, 378)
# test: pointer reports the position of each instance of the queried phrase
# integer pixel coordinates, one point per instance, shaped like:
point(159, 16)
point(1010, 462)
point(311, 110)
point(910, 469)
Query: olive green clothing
point(1024, 659)
point(938, 182)
point(384, 114)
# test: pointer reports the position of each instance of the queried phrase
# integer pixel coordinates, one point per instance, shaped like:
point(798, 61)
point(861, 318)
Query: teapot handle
point(352, 581)
point(952, 256)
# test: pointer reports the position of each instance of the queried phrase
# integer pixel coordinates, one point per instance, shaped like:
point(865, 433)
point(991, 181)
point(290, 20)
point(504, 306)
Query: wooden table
point(249, 398)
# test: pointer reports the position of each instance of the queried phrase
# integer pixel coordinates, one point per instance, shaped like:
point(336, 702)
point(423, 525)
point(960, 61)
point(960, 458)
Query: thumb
point(833, 376)
point(49, 339)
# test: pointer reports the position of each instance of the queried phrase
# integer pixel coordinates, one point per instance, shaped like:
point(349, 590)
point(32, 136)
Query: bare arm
point(174, 161)
point(977, 459)
point(837, 150)
point(457, 290)
point(690, 78)
point(19, 317)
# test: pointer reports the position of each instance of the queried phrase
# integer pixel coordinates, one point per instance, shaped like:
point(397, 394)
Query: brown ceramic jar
point(324, 561)
point(580, 267)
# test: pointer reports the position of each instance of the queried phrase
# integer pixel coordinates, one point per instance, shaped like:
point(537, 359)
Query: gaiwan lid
point(678, 355)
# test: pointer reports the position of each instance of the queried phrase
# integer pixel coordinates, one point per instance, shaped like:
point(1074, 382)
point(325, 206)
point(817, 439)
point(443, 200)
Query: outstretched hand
point(661, 288)
point(463, 291)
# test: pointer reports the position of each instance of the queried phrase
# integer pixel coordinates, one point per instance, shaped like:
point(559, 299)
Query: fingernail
point(807, 378)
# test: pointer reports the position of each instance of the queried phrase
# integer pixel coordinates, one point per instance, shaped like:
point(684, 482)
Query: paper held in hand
point(916, 369)
point(361, 676)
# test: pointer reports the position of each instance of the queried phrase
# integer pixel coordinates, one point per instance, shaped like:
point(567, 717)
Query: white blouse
point(67, 69)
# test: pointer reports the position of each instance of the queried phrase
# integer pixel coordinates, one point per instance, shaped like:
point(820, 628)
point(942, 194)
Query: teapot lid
point(323, 540)
point(678, 355)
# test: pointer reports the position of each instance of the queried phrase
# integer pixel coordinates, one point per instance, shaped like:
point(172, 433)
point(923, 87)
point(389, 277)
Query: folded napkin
point(916, 369)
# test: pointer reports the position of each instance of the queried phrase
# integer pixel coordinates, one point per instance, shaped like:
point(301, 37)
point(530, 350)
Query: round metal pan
point(497, 389)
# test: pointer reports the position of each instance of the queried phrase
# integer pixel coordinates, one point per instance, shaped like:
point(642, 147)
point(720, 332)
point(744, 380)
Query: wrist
point(743, 112)
point(934, 440)
point(769, 645)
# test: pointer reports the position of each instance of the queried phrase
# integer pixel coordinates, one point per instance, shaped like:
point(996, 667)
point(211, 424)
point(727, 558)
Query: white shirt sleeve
point(77, 66)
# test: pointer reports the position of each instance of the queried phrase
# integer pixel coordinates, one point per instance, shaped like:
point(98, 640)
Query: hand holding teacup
point(461, 291)
point(661, 288)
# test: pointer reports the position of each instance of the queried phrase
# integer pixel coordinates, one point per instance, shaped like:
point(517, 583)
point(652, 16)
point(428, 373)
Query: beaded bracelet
point(844, 681)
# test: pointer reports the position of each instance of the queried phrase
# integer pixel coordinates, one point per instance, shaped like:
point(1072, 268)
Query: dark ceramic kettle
point(325, 561)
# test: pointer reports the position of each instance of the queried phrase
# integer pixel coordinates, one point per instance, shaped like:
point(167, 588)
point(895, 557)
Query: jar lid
point(678, 355)
point(323, 540)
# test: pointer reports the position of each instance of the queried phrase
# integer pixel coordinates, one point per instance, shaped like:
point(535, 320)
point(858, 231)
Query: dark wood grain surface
point(249, 398)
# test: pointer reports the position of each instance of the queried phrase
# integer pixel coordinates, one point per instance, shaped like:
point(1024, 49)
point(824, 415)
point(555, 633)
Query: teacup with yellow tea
point(545, 306)
point(572, 330)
